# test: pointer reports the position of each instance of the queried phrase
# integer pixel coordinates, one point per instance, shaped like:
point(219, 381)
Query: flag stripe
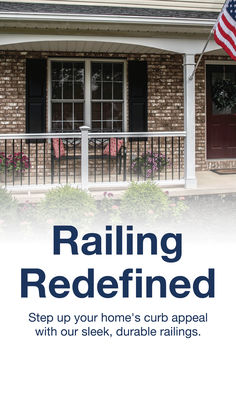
point(227, 48)
point(227, 35)
point(225, 42)
point(228, 24)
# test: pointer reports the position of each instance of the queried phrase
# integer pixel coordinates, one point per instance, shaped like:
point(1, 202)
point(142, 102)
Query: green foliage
point(66, 205)
point(143, 201)
point(108, 209)
point(8, 206)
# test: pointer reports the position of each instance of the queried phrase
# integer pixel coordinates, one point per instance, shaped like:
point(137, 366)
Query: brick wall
point(12, 93)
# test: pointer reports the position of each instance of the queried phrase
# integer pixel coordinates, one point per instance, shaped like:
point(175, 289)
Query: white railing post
point(189, 122)
point(84, 157)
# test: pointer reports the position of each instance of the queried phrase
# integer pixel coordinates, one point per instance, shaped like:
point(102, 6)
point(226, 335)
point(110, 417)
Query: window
point(88, 92)
point(67, 96)
point(107, 96)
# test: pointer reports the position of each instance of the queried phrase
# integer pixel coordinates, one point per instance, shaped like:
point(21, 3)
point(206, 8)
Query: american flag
point(225, 28)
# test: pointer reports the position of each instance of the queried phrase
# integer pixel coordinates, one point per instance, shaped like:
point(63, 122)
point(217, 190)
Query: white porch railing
point(90, 160)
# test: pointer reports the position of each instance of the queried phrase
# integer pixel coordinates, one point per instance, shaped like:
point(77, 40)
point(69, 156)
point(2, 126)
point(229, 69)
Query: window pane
point(67, 71)
point(107, 126)
point(77, 125)
point(79, 72)
point(96, 91)
point(96, 126)
point(67, 91)
point(57, 126)
point(56, 112)
point(107, 90)
point(107, 110)
point(67, 126)
point(67, 111)
point(117, 126)
point(117, 111)
point(79, 112)
point(118, 91)
point(78, 91)
point(107, 71)
point(96, 72)
point(56, 90)
point(96, 111)
point(56, 71)
point(118, 72)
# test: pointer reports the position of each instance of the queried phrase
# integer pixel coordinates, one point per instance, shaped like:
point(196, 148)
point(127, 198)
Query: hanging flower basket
point(224, 94)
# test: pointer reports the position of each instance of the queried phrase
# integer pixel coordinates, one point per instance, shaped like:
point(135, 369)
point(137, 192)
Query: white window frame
point(87, 91)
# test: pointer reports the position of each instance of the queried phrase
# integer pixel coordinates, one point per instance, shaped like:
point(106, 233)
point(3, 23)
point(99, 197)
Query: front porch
point(134, 92)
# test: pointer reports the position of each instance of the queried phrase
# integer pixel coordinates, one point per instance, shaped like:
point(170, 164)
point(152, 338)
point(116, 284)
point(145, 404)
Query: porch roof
point(75, 12)
point(13, 7)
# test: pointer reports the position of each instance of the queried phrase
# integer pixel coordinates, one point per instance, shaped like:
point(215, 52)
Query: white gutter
point(107, 19)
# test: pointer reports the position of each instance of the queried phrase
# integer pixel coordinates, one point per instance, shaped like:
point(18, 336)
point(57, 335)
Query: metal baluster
point(102, 159)
point(179, 157)
point(165, 158)
point(13, 157)
point(117, 158)
point(138, 158)
point(159, 152)
point(131, 159)
point(5, 163)
point(44, 162)
point(145, 146)
point(95, 161)
point(109, 160)
point(152, 156)
point(74, 158)
point(21, 161)
point(36, 160)
point(172, 157)
point(67, 153)
point(29, 162)
point(59, 162)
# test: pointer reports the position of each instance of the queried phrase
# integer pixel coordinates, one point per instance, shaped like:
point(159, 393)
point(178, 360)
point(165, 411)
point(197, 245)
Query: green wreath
point(224, 94)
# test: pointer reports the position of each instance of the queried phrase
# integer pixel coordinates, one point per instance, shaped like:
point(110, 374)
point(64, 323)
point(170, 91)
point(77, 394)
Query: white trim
point(219, 62)
point(175, 21)
point(39, 136)
point(87, 94)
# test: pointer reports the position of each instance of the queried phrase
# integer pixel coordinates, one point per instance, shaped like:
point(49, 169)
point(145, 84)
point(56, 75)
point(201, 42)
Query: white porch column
point(84, 156)
point(189, 122)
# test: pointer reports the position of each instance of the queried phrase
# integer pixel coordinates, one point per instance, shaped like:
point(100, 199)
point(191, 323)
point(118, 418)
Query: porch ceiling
point(82, 46)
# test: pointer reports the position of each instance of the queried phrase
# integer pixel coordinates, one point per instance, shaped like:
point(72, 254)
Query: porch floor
point(208, 183)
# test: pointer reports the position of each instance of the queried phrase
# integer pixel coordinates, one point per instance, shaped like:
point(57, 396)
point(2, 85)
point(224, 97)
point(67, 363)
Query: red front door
point(221, 112)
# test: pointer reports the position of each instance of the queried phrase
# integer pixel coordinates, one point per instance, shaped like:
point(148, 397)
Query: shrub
point(145, 203)
point(8, 207)
point(66, 204)
point(108, 209)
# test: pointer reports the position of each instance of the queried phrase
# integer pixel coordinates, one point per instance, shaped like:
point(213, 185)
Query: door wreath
point(224, 94)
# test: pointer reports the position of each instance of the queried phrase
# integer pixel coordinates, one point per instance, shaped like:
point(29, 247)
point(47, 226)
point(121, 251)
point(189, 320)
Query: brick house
point(123, 70)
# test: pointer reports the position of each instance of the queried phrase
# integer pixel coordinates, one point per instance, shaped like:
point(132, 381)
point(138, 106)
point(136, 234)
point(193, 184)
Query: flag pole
point(205, 47)
point(199, 59)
